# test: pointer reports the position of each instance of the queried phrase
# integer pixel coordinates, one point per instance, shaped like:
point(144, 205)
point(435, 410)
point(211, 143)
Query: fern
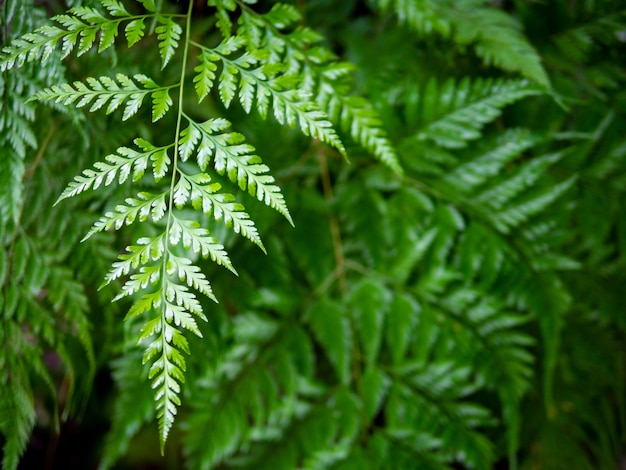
point(323, 75)
point(454, 114)
point(152, 265)
point(113, 93)
point(440, 302)
point(496, 36)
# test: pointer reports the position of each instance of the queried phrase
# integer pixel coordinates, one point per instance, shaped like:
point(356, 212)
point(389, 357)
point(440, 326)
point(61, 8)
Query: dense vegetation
point(432, 194)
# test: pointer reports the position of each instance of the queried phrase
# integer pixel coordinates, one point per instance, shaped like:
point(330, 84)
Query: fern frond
point(222, 206)
point(198, 240)
point(113, 93)
point(11, 174)
point(297, 51)
point(233, 157)
point(119, 165)
point(359, 118)
point(260, 84)
point(17, 417)
point(517, 214)
point(496, 36)
point(81, 26)
point(410, 405)
point(146, 206)
point(146, 250)
point(500, 193)
point(478, 171)
point(266, 401)
point(168, 33)
point(115, 8)
point(167, 370)
point(224, 23)
point(454, 113)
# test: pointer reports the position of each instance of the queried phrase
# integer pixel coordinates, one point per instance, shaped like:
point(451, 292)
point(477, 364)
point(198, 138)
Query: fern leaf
point(11, 174)
point(365, 127)
point(17, 420)
point(476, 172)
point(515, 215)
point(331, 328)
point(134, 31)
point(291, 106)
point(146, 276)
point(500, 193)
point(495, 35)
point(196, 238)
point(115, 8)
point(499, 41)
point(205, 73)
point(168, 33)
point(424, 16)
point(146, 250)
point(369, 303)
point(113, 93)
point(119, 165)
point(146, 206)
point(221, 206)
point(148, 5)
point(81, 26)
point(224, 23)
point(191, 274)
point(234, 158)
point(166, 374)
point(464, 108)
point(108, 33)
point(168, 363)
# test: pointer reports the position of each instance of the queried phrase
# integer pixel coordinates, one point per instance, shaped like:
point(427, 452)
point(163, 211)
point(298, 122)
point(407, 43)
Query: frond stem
point(340, 259)
point(166, 254)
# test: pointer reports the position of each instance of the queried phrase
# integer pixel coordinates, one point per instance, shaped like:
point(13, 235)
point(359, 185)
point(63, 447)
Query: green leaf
point(374, 384)
point(369, 304)
point(146, 206)
point(331, 327)
point(235, 158)
point(463, 108)
point(115, 8)
point(168, 33)
point(401, 319)
point(113, 93)
point(134, 31)
point(148, 5)
point(120, 165)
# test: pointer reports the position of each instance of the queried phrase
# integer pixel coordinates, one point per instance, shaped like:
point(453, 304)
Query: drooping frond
point(262, 86)
point(325, 78)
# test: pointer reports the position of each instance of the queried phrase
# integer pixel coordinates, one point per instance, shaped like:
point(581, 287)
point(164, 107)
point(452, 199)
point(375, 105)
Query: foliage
point(443, 222)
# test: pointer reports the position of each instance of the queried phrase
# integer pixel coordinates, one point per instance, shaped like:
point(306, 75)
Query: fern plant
point(445, 292)
point(155, 265)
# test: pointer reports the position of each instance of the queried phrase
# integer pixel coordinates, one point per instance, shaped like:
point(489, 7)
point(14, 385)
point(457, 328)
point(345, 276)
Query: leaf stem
point(164, 346)
point(334, 224)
